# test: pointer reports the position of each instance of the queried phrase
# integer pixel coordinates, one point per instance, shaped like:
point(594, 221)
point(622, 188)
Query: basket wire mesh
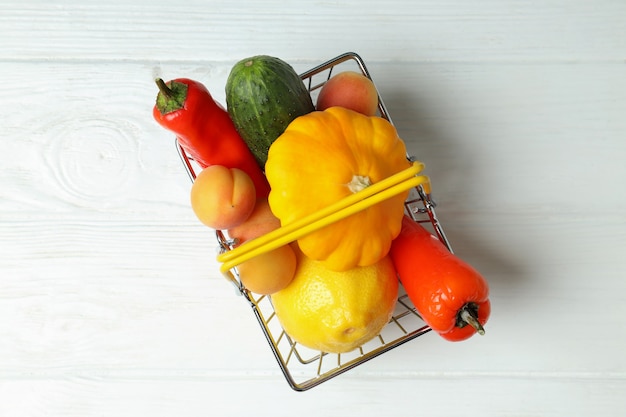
point(302, 367)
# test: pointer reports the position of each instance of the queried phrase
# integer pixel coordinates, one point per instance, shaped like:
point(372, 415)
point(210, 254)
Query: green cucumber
point(263, 95)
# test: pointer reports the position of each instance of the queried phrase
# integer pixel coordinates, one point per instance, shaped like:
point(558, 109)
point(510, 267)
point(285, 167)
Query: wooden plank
point(191, 395)
point(107, 296)
point(487, 133)
point(427, 31)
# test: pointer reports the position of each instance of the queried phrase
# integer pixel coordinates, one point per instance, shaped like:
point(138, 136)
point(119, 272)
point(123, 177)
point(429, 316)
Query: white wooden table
point(110, 296)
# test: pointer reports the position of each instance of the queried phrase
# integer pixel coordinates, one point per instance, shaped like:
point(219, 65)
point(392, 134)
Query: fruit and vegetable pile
point(270, 158)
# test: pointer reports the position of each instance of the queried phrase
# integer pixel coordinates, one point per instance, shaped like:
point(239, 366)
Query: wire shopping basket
point(302, 367)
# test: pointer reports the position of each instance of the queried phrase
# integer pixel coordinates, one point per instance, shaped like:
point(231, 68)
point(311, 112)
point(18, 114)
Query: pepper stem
point(171, 97)
point(469, 316)
point(163, 88)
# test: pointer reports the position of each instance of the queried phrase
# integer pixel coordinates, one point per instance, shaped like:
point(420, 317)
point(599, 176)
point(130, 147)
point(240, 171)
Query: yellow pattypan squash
point(325, 156)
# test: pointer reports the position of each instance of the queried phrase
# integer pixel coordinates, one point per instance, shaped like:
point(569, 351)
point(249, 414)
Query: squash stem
point(358, 183)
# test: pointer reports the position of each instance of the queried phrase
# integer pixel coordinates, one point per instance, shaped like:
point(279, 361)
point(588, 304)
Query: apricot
point(351, 90)
point(222, 197)
point(269, 272)
point(260, 222)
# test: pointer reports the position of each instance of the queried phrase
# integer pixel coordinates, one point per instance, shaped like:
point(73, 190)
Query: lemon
point(336, 311)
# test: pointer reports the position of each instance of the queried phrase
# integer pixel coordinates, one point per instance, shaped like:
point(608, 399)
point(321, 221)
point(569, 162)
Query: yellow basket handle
point(374, 194)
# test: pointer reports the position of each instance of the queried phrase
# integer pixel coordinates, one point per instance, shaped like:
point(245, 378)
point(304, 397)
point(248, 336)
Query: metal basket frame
point(303, 368)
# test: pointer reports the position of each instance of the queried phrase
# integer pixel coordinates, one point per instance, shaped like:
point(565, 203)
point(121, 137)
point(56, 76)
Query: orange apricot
point(351, 90)
point(269, 272)
point(222, 197)
point(260, 222)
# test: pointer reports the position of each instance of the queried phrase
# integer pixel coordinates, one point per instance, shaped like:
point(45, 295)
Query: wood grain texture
point(188, 396)
point(111, 299)
point(512, 30)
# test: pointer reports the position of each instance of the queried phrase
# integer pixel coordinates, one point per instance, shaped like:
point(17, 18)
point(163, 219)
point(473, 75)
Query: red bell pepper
point(204, 129)
point(449, 294)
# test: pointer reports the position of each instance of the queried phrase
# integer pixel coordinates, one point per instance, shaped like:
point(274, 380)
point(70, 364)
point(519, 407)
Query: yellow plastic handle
point(374, 194)
point(327, 211)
